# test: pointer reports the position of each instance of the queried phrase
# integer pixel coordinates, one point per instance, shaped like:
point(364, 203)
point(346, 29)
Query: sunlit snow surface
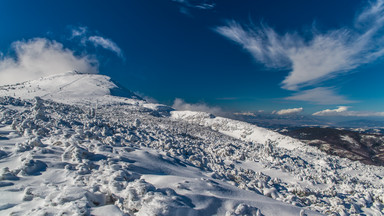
point(79, 150)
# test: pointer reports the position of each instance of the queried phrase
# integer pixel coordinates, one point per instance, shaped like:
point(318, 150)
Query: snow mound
point(237, 129)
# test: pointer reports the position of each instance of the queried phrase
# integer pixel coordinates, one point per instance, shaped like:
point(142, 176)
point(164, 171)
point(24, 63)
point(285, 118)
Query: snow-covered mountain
point(70, 87)
point(78, 144)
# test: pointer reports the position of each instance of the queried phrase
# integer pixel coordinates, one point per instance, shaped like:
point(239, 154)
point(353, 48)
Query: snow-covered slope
point(70, 87)
point(124, 156)
point(237, 129)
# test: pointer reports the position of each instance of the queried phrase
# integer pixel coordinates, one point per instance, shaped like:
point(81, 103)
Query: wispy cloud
point(289, 111)
point(263, 43)
point(146, 97)
point(86, 37)
point(245, 114)
point(180, 104)
point(321, 57)
point(41, 57)
point(106, 44)
point(199, 4)
point(320, 95)
point(326, 112)
point(227, 98)
point(78, 31)
point(186, 5)
point(343, 111)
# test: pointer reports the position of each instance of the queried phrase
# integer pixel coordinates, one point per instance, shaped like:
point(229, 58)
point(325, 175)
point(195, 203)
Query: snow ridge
point(237, 129)
point(70, 88)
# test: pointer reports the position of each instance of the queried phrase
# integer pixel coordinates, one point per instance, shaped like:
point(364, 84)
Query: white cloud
point(96, 40)
point(289, 111)
point(245, 114)
point(187, 5)
point(322, 56)
point(199, 4)
point(205, 6)
point(320, 95)
point(41, 57)
point(79, 31)
point(180, 104)
point(326, 112)
point(146, 97)
point(262, 43)
point(343, 111)
point(106, 44)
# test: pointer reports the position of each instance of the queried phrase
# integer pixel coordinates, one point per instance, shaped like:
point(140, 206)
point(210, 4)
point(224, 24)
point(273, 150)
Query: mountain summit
point(69, 87)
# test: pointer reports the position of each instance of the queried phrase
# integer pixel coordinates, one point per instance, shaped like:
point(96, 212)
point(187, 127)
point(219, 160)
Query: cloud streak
point(323, 56)
point(41, 57)
point(320, 95)
point(96, 40)
point(199, 4)
point(263, 43)
point(187, 5)
point(106, 44)
point(181, 105)
point(343, 111)
point(289, 111)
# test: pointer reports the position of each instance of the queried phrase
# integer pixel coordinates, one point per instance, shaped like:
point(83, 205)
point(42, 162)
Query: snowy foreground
point(69, 147)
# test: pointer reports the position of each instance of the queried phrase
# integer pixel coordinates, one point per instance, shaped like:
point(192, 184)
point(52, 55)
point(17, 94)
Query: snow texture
point(68, 146)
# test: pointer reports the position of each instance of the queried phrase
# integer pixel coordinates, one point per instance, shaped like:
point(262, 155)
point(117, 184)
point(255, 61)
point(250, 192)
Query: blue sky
point(236, 55)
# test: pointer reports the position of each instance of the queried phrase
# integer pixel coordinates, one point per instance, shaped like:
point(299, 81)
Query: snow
point(78, 149)
point(350, 140)
point(70, 87)
point(144, 179)
point(237, 129)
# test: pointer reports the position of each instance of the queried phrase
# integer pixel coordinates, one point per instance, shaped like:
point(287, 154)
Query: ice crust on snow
point(68, 152)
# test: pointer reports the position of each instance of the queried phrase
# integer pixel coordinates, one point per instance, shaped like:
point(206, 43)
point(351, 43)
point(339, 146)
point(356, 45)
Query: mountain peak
point(69, 87)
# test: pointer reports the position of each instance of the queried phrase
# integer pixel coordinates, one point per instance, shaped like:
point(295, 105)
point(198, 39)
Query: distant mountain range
point(364, 147)
point(357, 139)
point(274, 121)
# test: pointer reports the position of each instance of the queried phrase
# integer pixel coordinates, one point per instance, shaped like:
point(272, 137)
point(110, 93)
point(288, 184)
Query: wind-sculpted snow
point(70, 88)
point(314, 177)
point(237, 129)
point(128, 157)
point(79, 160)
